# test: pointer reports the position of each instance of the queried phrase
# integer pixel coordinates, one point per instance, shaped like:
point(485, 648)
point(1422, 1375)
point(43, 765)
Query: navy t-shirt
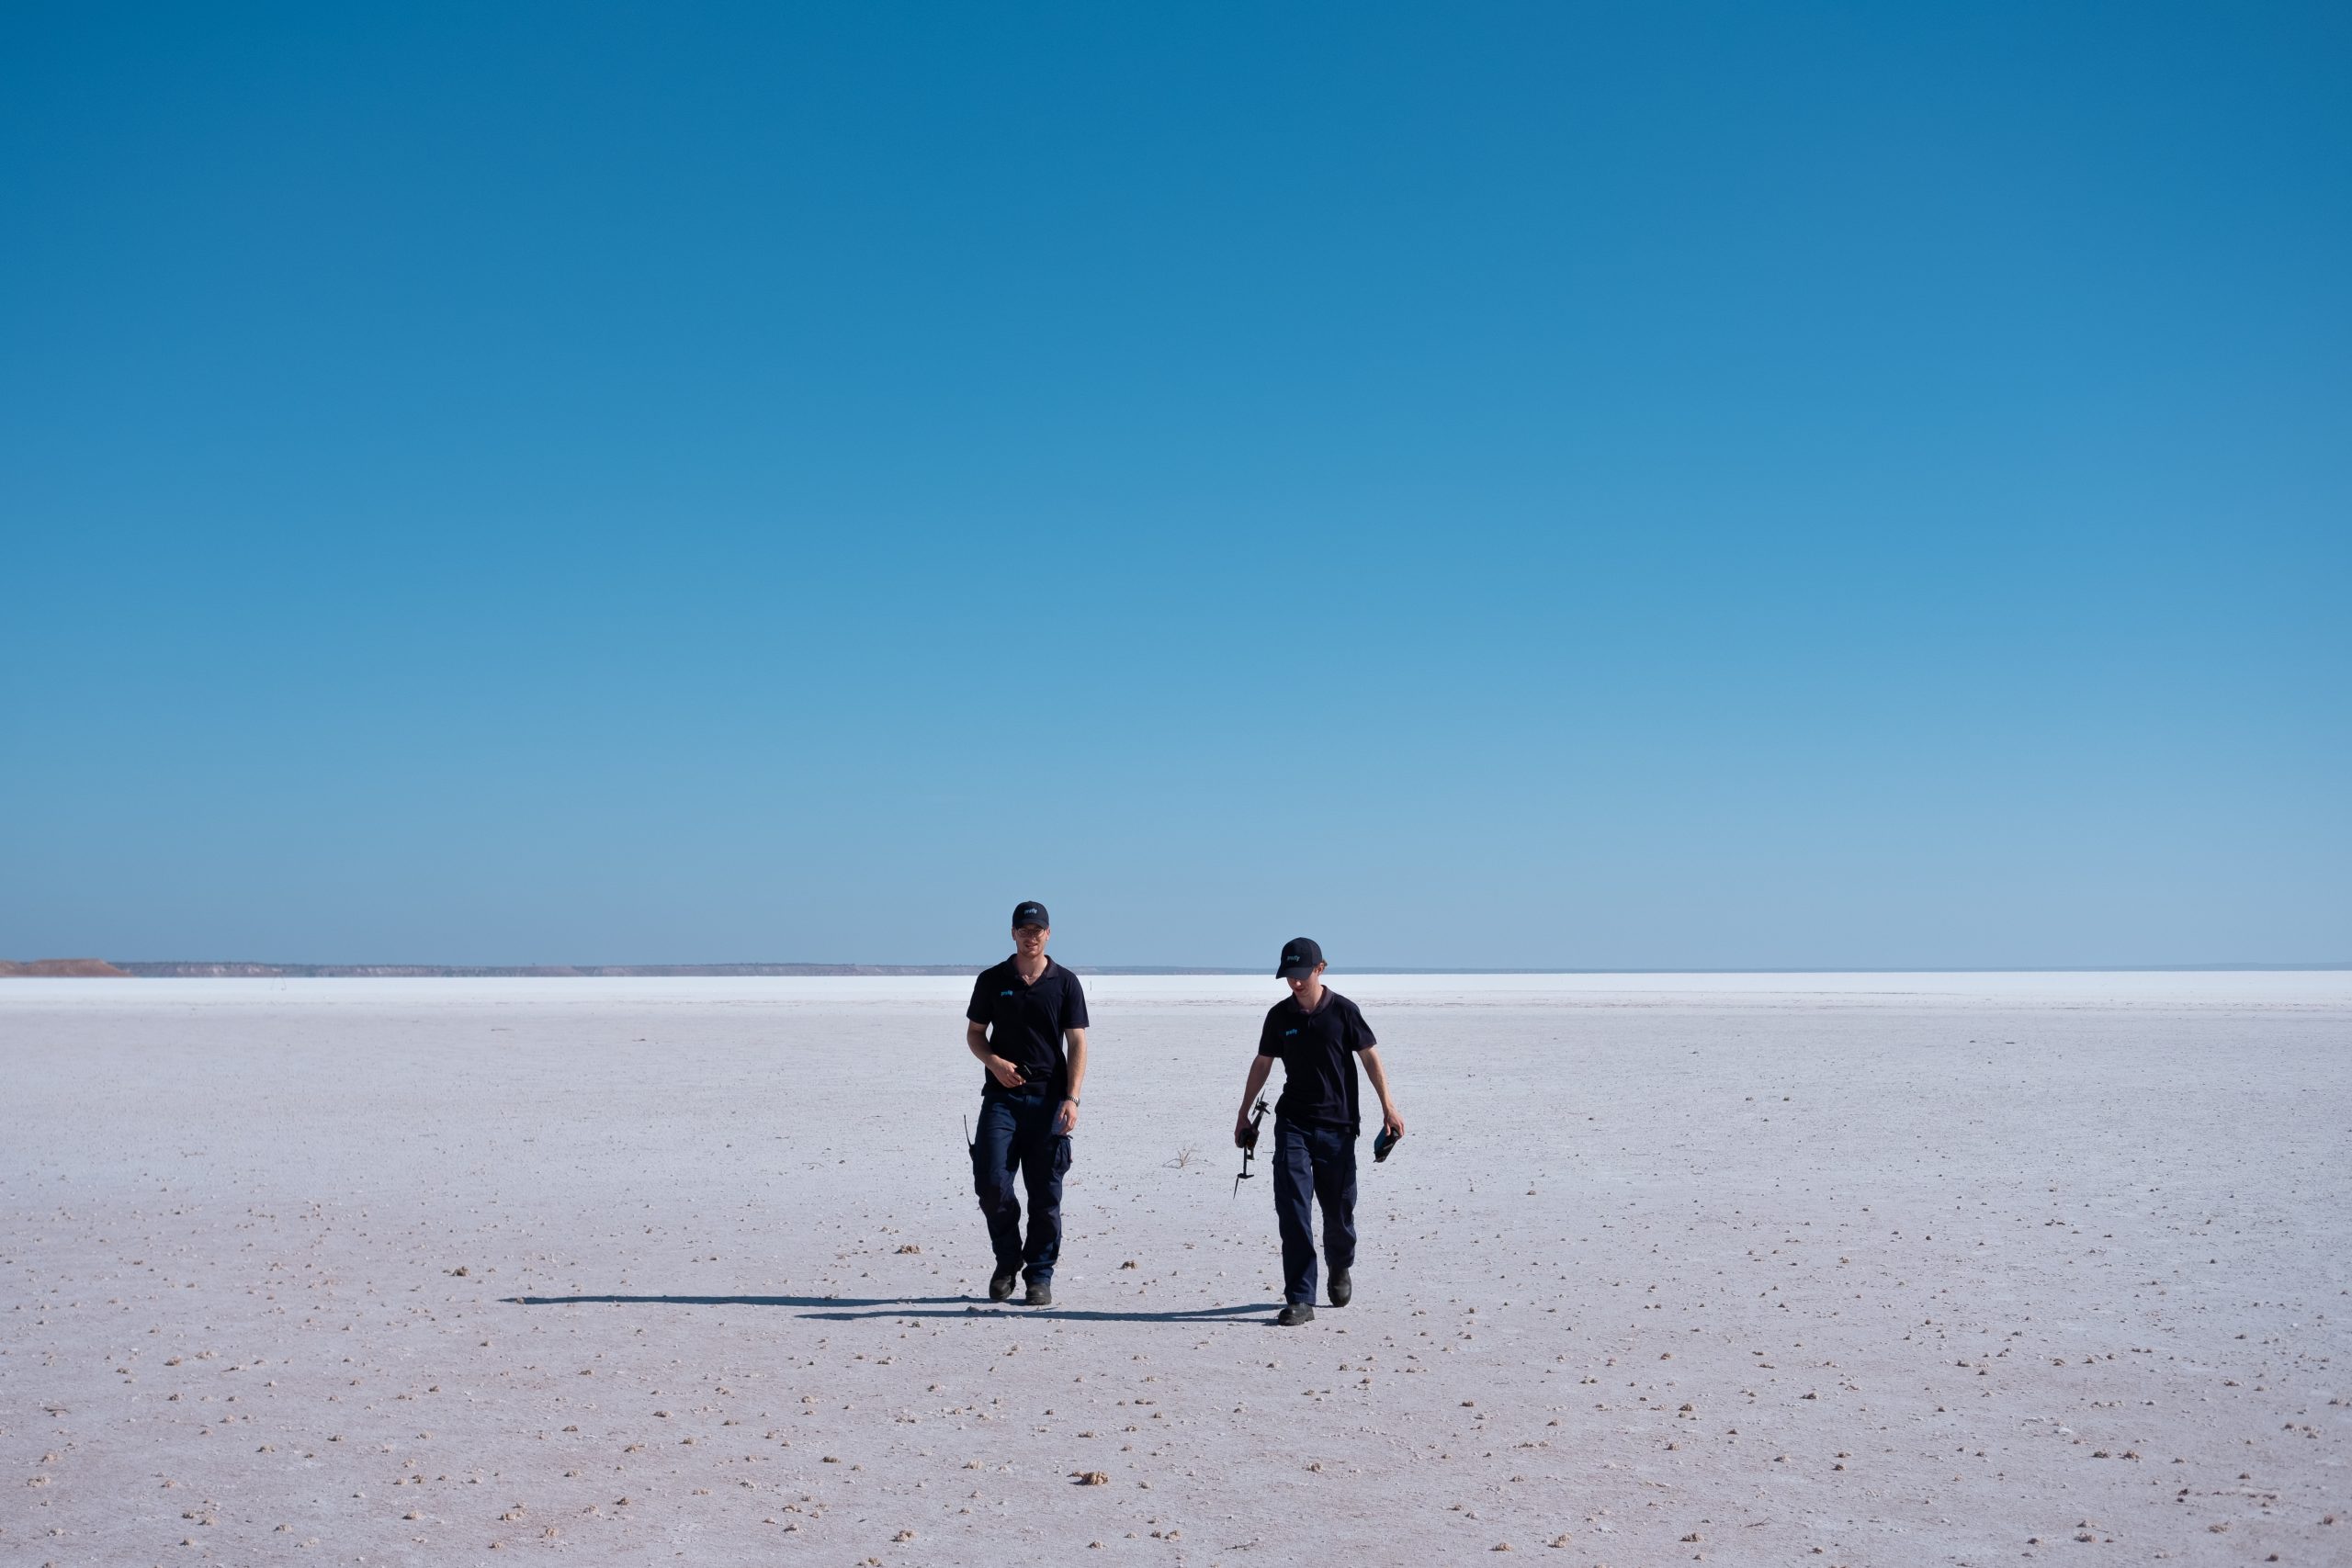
point(1025, 1022)
point(1318, 1054)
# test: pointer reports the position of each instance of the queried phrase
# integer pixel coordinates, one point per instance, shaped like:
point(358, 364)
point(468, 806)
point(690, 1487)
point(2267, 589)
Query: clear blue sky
point(1483, 485)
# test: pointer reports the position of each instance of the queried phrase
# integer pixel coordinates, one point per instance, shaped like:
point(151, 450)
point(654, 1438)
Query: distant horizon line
point(264, 969)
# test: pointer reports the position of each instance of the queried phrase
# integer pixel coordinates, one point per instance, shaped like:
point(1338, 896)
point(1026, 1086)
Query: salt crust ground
point(1873, 1269)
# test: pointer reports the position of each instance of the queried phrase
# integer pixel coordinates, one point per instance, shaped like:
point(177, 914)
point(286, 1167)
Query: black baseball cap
point(1030, 913)
point(1300, 956)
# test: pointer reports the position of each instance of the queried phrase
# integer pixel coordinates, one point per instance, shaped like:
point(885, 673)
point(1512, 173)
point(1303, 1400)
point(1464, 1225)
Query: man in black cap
point(1317, 1034)
point(1022, 1011)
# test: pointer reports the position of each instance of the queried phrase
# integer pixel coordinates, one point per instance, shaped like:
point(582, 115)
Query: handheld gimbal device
point(1249, 1144)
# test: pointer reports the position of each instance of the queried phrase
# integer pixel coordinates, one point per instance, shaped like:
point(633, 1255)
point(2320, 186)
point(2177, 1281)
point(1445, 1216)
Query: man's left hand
point(1067, 1123)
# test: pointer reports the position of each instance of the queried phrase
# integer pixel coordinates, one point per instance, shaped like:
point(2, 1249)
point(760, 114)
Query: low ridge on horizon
point(231, 969)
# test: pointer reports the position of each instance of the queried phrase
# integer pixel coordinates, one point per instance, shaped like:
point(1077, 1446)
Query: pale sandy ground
point(1875, 1269)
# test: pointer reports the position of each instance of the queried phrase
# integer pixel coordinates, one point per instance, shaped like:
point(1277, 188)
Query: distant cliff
point(68, 968)
point(215, 969)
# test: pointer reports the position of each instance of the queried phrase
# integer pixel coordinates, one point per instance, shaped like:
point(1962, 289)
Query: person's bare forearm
point(1379, 1077)
point(1258, 1067)
point(975, 1040)
point(1076, 1043)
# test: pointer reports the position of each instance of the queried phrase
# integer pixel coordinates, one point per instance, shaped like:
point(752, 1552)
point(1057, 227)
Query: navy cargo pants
point(1314, 1165)
point(1016, 1133)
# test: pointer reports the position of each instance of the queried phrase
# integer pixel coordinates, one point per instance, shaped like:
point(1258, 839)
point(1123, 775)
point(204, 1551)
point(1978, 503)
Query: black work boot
point(1297, 1314)
point(1341, 1287)
point(1001, 1283)
point(1041, 1293)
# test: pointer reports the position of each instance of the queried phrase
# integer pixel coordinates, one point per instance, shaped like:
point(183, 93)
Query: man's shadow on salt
point(843, 1309)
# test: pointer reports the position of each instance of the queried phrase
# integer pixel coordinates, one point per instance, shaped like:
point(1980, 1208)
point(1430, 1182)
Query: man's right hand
point(1244, 1135)
point(1004, 1072)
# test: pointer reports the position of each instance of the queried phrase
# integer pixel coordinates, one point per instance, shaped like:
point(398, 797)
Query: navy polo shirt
point(1025, 1022)
point(1318, 1054)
